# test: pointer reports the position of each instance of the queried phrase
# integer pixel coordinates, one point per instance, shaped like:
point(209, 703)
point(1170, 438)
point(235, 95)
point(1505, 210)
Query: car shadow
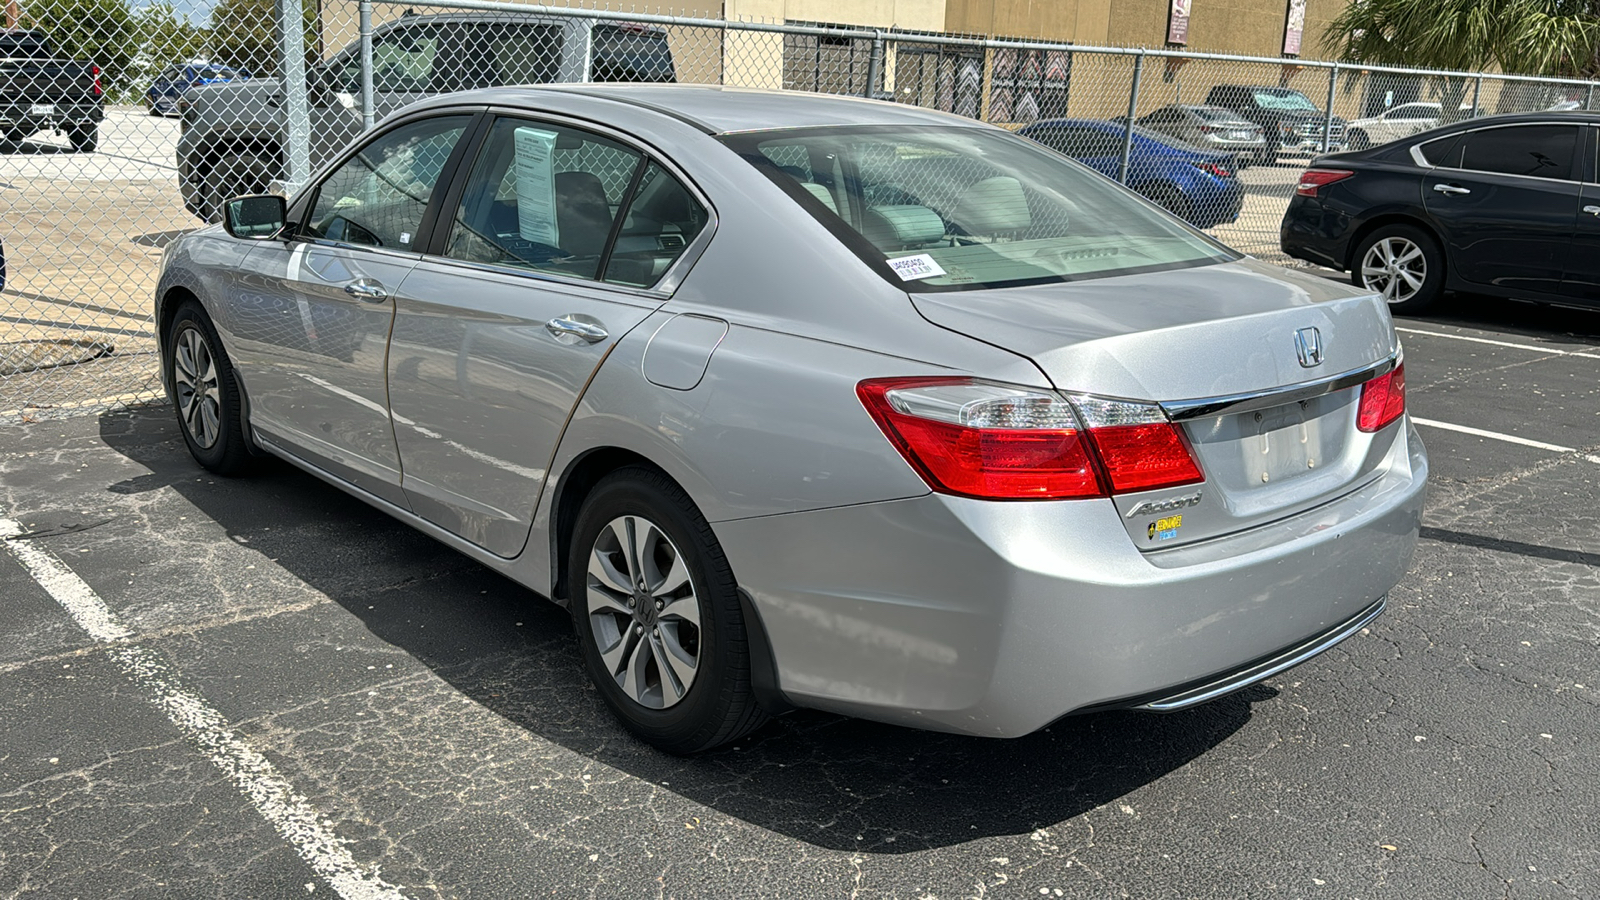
point(1521, 317)
point(36, 147)
point(833, 782)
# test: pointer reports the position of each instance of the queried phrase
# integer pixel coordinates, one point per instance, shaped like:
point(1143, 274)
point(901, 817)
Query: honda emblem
point(1308, 346)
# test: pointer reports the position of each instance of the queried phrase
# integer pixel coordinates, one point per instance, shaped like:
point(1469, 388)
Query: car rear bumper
point(999, 618)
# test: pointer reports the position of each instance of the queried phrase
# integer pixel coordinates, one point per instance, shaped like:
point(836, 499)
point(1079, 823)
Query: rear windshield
point(216, 72)
point(631, 53)
point(23, 45)
point(1282, 99)
point(1215, 114)
point(961, 208)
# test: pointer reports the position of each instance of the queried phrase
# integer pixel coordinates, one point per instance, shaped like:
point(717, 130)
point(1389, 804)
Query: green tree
point(1554, 38)
point(166, 36)
point(94, 31)
point(244, 34)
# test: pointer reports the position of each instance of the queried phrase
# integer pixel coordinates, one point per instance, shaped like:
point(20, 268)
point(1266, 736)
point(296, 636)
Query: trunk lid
point(1194, 340)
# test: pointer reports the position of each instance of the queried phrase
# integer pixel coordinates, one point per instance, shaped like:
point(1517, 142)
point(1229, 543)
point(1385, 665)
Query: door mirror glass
point(256, 217)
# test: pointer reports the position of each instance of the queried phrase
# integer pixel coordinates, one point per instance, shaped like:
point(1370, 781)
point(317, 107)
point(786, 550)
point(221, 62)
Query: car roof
point(717, 109)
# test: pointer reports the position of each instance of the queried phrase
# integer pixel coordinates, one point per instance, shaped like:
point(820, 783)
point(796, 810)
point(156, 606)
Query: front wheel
point(1404, 264)
point(205, 393)
point(658, 615)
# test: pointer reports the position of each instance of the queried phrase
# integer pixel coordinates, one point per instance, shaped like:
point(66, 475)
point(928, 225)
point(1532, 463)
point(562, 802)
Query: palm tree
point(1555, 38)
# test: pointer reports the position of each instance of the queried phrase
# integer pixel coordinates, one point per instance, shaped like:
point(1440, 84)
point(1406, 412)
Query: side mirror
point(257, 217)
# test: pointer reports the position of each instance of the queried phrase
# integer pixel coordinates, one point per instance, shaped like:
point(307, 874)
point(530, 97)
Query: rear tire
point(205, 393)
point(1358, 140)
point(1404, 264)
point(84, 136)
point(668, 652)
point(1170, 199)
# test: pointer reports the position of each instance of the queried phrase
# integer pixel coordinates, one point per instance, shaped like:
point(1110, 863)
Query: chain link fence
point(123, 127)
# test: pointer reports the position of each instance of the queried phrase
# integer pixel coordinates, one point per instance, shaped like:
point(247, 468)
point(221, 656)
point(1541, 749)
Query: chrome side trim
point(1183, 410)
point(1269, 667)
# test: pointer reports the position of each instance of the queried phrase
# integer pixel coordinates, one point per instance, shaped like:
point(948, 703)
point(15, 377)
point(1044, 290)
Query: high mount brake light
point(1316, 178)
point(1383, 399)
point(998, 442)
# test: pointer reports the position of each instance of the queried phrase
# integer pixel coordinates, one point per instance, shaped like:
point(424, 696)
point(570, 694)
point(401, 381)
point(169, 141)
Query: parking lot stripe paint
point(1477, 340)
point(251, 772)
point(1494, 435)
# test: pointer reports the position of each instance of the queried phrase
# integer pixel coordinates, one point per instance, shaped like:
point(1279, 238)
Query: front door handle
point(575, 328)
point(1451, 189)
point(1592, 210)
point(367, 289)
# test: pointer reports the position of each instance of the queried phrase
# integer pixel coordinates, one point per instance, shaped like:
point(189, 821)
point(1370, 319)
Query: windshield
point(1282, 99)
point(959, 208)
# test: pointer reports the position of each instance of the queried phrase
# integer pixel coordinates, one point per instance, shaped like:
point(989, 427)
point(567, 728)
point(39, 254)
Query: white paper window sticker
point(536, 185)
point(911, 268)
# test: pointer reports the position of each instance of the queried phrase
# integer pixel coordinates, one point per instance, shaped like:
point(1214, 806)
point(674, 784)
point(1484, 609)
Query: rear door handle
point(1451, 189)
point(367, 289)
point(574, 328)
point(1592, 210)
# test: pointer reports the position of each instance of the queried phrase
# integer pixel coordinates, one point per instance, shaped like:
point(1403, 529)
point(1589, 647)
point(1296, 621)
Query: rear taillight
point(998, 442)
point(1383, 399)
point(1139, 447)
point(1213, 170)
point(95, 71)
point(1315, 178)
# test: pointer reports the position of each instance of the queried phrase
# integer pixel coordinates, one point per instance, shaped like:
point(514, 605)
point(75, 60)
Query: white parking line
point(311, 836)
point(1508, 438)
point(1477, 340)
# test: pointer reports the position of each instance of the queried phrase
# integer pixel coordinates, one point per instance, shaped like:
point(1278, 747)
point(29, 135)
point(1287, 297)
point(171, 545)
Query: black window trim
point(671, 279)
point(1577, 150)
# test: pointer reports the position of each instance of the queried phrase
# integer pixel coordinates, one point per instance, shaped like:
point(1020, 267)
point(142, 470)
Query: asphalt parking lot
point(262, 688)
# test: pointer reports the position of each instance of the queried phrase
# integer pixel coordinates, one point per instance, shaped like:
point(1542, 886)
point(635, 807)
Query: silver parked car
point(798, 400)
point(1211, 128)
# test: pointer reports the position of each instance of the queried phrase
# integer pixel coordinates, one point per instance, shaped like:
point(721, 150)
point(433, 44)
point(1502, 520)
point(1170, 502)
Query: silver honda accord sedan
point(808, 401)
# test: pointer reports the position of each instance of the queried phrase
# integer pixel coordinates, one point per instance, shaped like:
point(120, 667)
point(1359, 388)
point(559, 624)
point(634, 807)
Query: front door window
point(377, 197)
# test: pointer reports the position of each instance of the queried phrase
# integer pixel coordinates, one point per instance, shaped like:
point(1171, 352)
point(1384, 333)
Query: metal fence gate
point(154, 114)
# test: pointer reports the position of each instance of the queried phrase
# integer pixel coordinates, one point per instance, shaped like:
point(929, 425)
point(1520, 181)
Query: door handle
point(1451, 189)
point(368, 289)
point(574, 328)
point(1592, 210)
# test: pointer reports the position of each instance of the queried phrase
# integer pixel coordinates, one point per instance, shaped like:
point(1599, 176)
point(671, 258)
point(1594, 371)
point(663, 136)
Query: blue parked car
point(162, 98)
point(1199, 186)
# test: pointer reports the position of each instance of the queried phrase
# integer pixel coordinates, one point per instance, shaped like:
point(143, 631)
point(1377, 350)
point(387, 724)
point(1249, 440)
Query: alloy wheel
point(1394, 267)
point(643, 612)
point(194, 377)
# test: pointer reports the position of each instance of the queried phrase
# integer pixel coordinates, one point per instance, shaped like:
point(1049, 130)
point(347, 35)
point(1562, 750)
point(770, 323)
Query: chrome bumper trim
point(1266, 668)
point(1183, 410)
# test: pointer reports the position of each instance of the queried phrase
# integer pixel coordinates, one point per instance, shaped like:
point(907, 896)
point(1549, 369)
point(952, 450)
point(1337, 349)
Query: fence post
point(1588, 98)
point(1133, 109)
point(1477, 95)
point(874, 65)
point(291, 23)
point(1327, 114)
point(368, 114)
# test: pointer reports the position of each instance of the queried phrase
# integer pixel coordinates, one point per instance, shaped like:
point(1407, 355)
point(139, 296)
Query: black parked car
point(1495, 206)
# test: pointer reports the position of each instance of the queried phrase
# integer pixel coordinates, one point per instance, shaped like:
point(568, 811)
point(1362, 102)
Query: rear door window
point(1540, 151)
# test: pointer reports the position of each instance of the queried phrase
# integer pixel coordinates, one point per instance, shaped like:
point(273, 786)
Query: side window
point(1543, 151)
point(661, 221)
point(402, 63)
point(542, 197)
point(378, 196)
point(1445, 151)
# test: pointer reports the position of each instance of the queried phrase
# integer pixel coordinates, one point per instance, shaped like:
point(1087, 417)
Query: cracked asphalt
point(436, 716)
